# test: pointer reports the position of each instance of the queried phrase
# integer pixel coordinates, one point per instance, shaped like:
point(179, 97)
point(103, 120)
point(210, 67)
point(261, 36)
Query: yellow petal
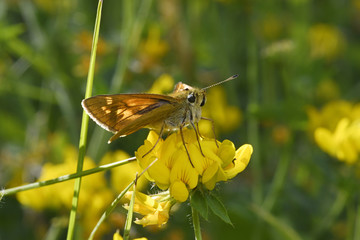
point(226, 152)
point(117, 236)
point(210, 172)
point(179, 191)
point(242, 158)
point(325, 140)
point(160, 174)
point(183, 171)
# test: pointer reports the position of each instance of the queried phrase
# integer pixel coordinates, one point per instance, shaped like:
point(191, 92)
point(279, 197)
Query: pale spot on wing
point(109, 100)
point(105, 109)
point(119, 111)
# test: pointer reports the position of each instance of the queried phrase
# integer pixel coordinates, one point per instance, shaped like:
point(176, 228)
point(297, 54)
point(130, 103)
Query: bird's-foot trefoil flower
point(173, 171)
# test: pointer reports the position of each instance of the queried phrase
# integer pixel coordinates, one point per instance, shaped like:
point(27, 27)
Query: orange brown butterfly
point(124, 114)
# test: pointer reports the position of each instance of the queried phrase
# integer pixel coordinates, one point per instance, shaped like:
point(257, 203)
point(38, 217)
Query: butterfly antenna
point(228, 79)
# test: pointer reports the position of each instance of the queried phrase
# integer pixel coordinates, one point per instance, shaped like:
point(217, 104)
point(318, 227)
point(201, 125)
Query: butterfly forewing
point(124, 114)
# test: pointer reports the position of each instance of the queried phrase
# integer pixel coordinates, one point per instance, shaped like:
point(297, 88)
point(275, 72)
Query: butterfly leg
point(183, 140)
point(213, 128)
point(197, 126)
point(160, 135)
point(197, 136)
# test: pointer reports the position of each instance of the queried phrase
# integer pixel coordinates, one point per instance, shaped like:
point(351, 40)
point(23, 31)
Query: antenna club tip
point(234, 76)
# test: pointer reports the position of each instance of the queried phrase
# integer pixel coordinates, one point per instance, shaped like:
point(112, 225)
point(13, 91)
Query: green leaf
point(218, 208)
point(198, 201)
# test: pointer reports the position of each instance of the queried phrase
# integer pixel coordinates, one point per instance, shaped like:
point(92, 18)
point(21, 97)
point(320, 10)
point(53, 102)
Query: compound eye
point(191, 98)
point(203, 101)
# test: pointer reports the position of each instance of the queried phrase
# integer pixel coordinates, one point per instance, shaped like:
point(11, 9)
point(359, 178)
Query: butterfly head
point(194, 96)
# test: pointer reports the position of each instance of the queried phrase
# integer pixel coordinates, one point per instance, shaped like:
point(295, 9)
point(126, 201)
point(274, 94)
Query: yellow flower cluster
point(95, 195)
point(58, 196)
point(174, 171)
point(154, 208)
point(337, 130)
point(343, 143)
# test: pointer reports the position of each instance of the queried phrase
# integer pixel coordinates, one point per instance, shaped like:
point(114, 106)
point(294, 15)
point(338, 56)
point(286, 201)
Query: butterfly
point(124, 114)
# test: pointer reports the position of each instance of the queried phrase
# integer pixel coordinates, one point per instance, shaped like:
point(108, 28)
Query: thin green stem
point(334, 211)
point(66, 177)
point(110, 209)
point(132, 29)
point(253, 126)
point(196, 224)
point(116, 201)
point(130, 215)
point(84, 124)
point(357, 224)
point(276, 223)
point(279, 179)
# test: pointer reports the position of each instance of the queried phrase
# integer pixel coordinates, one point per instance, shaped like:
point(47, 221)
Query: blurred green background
point(298, 62)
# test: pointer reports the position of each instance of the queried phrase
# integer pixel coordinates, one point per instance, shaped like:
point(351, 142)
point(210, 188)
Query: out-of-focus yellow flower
point(162, 84)
point(174, 171)
point(154, 208)
point(325, 41)
point(329, 116)
point(117, 236)
point(225, 117)
point(337, 129)
point(343, 143)
point(94, 195)
point(121, 176)
point(152, 49)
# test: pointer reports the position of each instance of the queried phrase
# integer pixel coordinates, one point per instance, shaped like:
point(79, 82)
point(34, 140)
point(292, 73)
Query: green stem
point(130, 215)
point(253, 126)
point(357, 224)
point(66, 177)
point(279, 179)
point(279, 225)
point(84, 125)
point(110, 209)
point(335, 210)
point(196, 224)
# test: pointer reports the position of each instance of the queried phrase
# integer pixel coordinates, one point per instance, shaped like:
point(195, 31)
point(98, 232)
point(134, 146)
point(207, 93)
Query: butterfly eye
point(203, 101)
point(191, 98)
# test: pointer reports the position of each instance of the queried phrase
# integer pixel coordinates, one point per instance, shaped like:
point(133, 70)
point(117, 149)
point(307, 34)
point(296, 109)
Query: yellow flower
point(174, 171)
point(343, 143)
point(325, 41)
point(117, 236)
point(336, 129)
point(154, 208)
point(162, 85)
point(331, 114)
point(94, 195)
